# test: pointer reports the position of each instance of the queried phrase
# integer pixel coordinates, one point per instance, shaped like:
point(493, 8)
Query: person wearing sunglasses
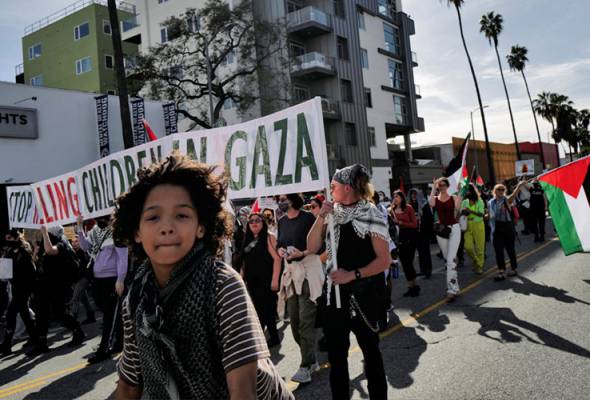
point(261, 269)
point(503, 230)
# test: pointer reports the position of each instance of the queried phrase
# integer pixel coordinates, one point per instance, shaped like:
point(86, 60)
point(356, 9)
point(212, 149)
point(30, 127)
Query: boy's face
point(169, 225)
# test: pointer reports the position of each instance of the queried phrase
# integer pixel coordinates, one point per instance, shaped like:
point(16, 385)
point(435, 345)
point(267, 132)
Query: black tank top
point(258, 265)
point(354, 252)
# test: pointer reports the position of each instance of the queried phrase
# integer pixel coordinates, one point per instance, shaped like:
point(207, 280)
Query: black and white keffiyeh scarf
point(99, 238)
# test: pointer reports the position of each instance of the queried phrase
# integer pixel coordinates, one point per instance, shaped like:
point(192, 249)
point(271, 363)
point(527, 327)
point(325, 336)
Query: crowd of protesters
point(189, 326)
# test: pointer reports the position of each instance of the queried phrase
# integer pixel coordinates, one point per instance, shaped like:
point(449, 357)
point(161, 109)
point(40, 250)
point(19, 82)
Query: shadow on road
point(77, 383)
point(512, 329)
point(528, 287)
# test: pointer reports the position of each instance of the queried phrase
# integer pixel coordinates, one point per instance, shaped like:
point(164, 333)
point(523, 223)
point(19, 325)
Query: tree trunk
point(491, 169)
point(526, 84)
point(120, 72)
point(509, 105)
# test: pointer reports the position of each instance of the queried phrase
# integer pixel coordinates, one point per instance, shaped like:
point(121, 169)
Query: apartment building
point(72, 49)
point(355, 54)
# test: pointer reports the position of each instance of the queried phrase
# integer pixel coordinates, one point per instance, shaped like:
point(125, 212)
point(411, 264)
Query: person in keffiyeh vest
point(362, 254)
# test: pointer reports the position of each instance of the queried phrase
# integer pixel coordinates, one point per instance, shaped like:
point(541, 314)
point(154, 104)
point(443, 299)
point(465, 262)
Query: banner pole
point(333, 245)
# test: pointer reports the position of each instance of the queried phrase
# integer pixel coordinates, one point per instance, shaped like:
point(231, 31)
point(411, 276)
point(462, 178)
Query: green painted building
point(72, 49)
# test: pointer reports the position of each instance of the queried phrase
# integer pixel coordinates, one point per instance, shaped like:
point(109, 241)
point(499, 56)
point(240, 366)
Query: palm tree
point(543, 106)
point(458, 4)
point(120, 73)
point(491, 27)
point(566, 127)
point(517, 60)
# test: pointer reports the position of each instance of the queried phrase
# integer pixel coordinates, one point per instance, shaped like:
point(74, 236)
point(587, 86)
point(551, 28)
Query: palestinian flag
point(149, 130)
point(476, 178)
point(568, 191)
point(456, 169)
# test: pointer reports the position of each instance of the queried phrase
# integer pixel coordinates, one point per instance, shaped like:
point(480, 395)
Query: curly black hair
point(205, 186)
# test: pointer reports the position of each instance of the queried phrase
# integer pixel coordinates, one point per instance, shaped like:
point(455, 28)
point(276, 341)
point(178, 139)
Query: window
point(387, 7)
point(163, 35)
point(292, 7)
point(364, 59)
point(194, 23)
point(300, 93)
point(230, 58)
point(400, 112)
point(361, 20)
point(372, 139)
point(296, 49)
point(339, 8)
point(83, 65)
point(162, 1)
point(37, 80)
point(229, 103)
point(368, 98)
point(111, 92)
point(392, 42)
point(395, 74)
point(109, 61)
point(35, 51)
point(350, 134)
point(342, 47)
point(106, 27)
point(346, 90)
point(81, 30)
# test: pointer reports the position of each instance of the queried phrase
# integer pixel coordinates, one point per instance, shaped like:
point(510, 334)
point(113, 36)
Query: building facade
point(355, 54)
point(72, 49)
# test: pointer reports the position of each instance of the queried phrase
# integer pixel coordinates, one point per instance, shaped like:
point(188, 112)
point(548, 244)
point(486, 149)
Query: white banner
point(525, 168)
point(284, 152)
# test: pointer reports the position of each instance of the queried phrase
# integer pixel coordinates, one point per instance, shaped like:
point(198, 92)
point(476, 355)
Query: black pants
point(504, 240)
point(265, 303)
point(51, 298)
point(408, 239)
point(337, 328)
point(538, 221)
point(20, 306)
point(424, 256)
point(106, 300)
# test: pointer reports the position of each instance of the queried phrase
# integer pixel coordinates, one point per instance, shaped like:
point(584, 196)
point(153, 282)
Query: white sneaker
point(303, 375)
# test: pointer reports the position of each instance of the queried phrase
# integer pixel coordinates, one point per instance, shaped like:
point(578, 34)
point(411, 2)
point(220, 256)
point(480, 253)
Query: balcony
point(19, 73)
point(414, 59)
point(330, 109)
point(309, 21)
point(129, 23)
point(417, 91)
point(313, 65)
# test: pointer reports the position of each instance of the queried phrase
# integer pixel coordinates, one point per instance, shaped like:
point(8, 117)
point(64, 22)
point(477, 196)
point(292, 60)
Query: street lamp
point(473, 135)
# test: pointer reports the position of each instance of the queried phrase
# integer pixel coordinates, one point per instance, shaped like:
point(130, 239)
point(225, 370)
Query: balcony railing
point(417, 90)
point(19, 69)
point(414, 57)
point(72, 8)
point(129, 23)
point(313, 61)
point(330, 108)
point(309, 14)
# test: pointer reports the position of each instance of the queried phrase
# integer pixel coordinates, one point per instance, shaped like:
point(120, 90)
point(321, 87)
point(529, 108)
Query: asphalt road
point(524, 338)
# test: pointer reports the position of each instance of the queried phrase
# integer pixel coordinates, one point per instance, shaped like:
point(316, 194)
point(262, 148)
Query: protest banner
point(525, 167)
point(137, 116)
point(170, 119)
point(102, 123)
point(22, 208)
point(57, 199)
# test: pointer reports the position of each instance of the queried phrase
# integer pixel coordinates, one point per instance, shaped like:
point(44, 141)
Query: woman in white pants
point(447, 229)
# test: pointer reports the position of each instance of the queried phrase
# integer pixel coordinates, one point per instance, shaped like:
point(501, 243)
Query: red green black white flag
point(568, 192)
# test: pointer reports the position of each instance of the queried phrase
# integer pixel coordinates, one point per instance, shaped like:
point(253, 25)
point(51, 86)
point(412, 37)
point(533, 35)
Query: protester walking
point(302, 280)
point(109, 267)
point(22, 284)
point(425, 226)
point(261, 272)
point(191, 331)
point(475, 235)
point(503, 228)
point(405, 217)
point(538, 211)
point(57, 270)
point(362, 253)
point(447, 230)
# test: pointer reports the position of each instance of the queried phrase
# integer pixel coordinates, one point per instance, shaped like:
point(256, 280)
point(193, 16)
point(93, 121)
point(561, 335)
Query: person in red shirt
point(405, 217)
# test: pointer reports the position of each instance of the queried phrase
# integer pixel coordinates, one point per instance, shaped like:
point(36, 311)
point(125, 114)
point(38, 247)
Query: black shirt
point(537, 198)
point(293, 231)
point(354, 252)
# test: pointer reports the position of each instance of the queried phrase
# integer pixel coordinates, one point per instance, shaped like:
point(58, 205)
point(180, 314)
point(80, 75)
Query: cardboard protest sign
point(525, 167)
point(57, 199)
point(22, 208)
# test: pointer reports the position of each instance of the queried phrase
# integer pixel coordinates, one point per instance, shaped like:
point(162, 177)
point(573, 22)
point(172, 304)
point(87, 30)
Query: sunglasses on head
point(255, 221)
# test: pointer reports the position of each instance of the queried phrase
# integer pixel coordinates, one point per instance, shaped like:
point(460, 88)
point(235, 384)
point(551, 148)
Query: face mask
point(284, 206)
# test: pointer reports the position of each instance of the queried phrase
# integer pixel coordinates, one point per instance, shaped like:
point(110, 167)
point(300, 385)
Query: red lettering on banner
point(48, 217)
point(62, 202)
point(73, 197)
point(50, 193)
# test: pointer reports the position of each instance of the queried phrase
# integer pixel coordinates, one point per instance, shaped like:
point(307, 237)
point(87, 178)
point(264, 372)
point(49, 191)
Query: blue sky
point(557, 34)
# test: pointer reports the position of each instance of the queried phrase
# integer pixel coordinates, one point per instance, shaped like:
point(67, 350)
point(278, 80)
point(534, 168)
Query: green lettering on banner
point(85, 177)
point(283, 127)
point(94, 185)
point(175, 145)
point(130, 170)
point(141, 155)
point(309, 160)
point(114, 164)
point(204, 150)
point(190, 149)
point(261, 147)
point(240, 161)
point(157, 155)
